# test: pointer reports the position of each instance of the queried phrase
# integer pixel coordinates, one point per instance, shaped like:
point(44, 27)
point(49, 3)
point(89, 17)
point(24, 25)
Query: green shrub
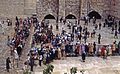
point(73, 70)
point(26, 72)
point(49, 69)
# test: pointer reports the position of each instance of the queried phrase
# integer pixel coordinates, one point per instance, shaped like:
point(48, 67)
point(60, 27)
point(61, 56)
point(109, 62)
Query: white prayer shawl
point(16, 54)
point(40, 57)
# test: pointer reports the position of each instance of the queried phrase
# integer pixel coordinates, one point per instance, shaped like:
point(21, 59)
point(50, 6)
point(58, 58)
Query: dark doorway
point(94, 14)
point(49, 16)
point(70, 16)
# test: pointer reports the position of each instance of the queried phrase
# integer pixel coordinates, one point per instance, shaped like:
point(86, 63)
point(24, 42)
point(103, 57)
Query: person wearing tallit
point(16, 54)
point(59, 53)
point(16, 57)
point(63, 51)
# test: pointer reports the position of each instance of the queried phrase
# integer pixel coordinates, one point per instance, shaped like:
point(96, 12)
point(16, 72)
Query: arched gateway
point(50, 19)
point(49, 16)
point(70, 16)
point(94, 14)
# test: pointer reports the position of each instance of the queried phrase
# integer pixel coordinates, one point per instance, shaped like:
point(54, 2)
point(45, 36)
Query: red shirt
point(103, 50)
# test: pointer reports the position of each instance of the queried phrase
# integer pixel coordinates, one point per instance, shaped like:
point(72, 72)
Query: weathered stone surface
point(11, 8)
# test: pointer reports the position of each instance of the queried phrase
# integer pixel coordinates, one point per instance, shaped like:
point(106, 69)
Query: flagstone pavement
point(93, 65)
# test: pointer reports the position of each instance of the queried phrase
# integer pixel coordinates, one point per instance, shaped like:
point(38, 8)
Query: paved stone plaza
point(93, 65)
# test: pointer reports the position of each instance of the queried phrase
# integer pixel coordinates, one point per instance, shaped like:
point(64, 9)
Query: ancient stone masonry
point(29, 7)
point(93, 5)
point(9, 8)
point(12, 8)
point(61, 8)
point(72, 7)
point(45, 7)
point(114, 8)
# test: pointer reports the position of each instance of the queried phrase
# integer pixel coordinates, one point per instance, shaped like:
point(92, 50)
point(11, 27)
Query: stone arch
point(49, 16)
point(70, 16)
point(94, 14)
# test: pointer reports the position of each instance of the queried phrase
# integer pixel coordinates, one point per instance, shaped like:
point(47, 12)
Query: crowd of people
point(18, 41)
point(47, 46)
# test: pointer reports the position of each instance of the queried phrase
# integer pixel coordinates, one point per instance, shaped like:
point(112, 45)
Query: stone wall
point(58, 7)
point(9, 8)
point(115, 8)
point(72, 7)
point(30, 7)
point(93, 5)
point(98, 6)
point(45, 7)
point(61, 8)
point(111, 7)
point(21, 8)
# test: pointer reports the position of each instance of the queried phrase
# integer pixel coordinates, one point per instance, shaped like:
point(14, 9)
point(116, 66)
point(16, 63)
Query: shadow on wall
point(94, 14)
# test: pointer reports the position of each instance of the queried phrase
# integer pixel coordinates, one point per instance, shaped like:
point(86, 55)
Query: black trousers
point(7, 69)
point(31, 68)
point(40, 61)
point(83, 56)
point(98, 41)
